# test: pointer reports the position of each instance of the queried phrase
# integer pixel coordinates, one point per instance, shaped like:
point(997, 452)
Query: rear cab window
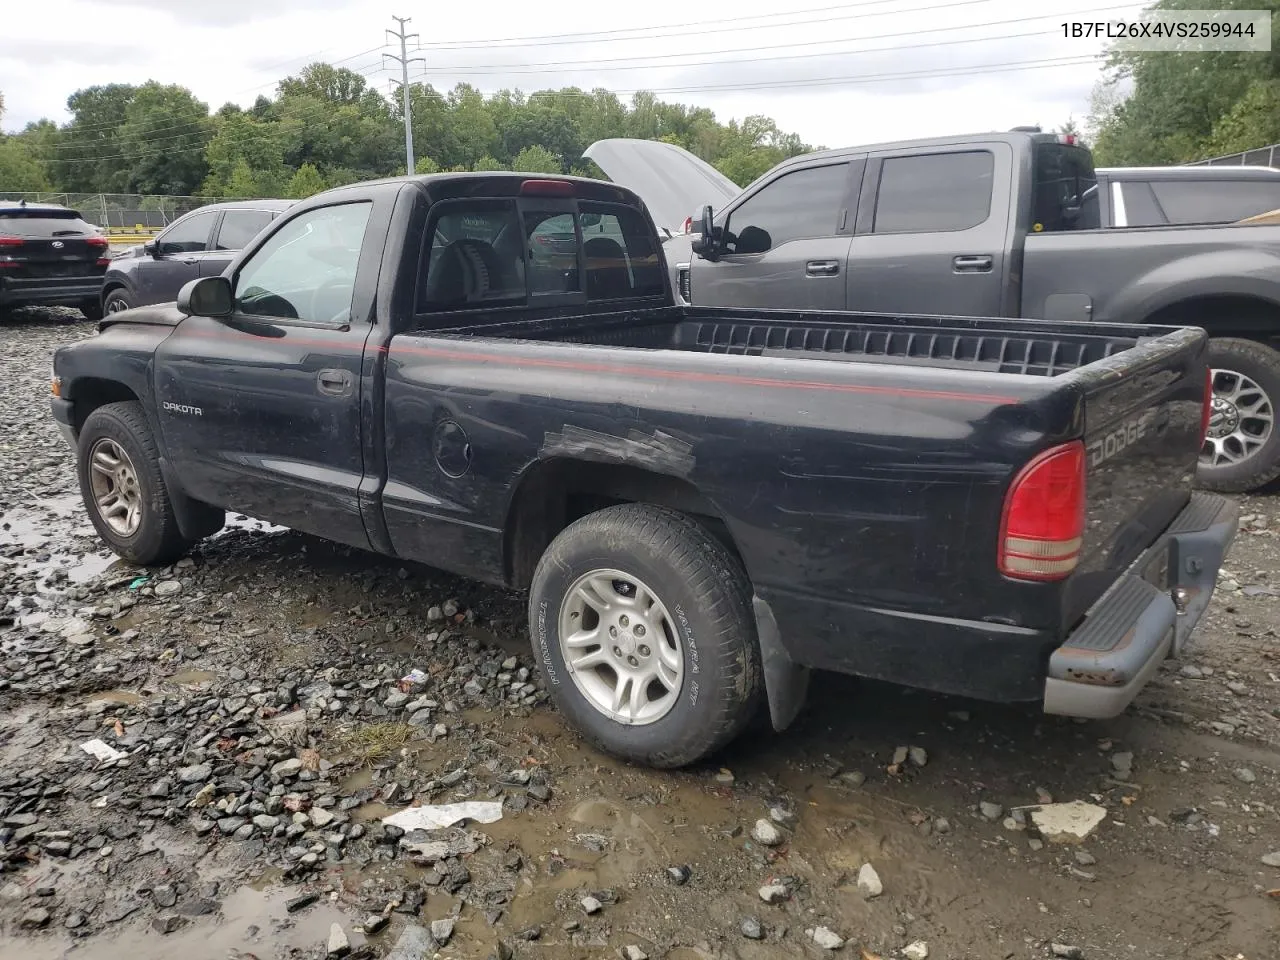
point(1064, 189)
point(536, 252)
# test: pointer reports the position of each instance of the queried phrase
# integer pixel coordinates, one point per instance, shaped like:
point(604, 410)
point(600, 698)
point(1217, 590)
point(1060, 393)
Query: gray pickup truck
point(1002, 224)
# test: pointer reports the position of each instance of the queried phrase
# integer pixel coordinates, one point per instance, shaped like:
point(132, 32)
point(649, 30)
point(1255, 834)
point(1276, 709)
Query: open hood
point(672, 182)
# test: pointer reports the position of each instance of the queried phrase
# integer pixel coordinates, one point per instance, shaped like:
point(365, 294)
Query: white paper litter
point(1068, 822)
point(102, 750)
point(444, 815)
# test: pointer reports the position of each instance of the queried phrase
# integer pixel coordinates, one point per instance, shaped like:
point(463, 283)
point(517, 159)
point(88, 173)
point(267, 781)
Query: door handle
point(821, 268)
point(333, 382)
point(973, 264)
point(191, 261)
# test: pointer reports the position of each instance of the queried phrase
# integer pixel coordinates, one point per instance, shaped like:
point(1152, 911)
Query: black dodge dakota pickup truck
point(488, 373)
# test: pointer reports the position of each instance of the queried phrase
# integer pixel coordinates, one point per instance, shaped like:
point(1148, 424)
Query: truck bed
point(1041, 349)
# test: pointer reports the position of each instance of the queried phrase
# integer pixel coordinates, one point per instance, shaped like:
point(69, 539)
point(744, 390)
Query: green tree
point(163, 140)
point(1253, 121)
point(88, 157)
point(1161, 108)
point(474, 131)
point(241, 183)
point(425, 165)
point(306, 182)
point(487, 163)
point(19, 169)
point(242, 140)
point(536, 159)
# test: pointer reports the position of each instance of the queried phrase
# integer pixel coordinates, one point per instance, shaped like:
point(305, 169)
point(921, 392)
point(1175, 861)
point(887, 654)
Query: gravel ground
point(258, 702)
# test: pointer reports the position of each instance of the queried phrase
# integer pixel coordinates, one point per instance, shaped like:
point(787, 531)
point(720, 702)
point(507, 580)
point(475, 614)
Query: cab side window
point(935, 193)
point(307, 269)
point(188, 236)
point(806, 203)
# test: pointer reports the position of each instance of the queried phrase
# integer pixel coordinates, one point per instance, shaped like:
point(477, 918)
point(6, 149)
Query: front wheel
point(116, 301)
point(123, 488)
point(642, 622)
point(1242, 448)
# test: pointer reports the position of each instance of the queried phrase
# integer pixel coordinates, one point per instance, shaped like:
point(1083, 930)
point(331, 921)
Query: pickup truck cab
point(703, 504)
point(1000, 224)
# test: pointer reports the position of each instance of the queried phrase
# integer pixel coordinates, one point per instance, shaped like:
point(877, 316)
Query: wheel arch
point(87, 394)
point(1249, 316)
point(555, 492)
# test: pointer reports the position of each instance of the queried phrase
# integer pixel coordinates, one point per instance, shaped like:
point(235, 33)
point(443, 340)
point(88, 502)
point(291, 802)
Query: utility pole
point(404, 60)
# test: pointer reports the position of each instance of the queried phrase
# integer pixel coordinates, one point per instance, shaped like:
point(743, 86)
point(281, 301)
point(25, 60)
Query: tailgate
point(1142, 432)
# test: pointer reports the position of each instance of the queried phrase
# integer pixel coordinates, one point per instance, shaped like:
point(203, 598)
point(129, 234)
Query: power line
point(557, 66)
point(607, 36)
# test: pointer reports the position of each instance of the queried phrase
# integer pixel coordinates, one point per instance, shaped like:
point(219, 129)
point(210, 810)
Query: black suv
point(199, 244)
point(50, 256)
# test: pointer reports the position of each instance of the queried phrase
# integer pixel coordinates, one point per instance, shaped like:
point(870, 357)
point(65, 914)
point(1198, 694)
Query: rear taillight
point(97, 241)
point(1044, 516)
point(103, 262)
point(1206, 408)
point(688, 224)
point(11, 241)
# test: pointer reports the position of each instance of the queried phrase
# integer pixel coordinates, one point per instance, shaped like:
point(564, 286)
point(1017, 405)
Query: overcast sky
point(836, 73)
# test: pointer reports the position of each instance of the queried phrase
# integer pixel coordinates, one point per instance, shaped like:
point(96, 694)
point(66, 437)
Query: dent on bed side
point(658, 451)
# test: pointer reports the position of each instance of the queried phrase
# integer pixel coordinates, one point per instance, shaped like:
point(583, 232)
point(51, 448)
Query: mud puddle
point(248, 921)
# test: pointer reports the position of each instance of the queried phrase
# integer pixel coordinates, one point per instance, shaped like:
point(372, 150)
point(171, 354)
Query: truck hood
point(155, 315)
point(672, 182)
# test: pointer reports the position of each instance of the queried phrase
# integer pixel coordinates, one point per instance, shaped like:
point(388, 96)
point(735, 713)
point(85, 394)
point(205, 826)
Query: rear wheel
point(1242, 448)
point(123, 488)
point(642, 622)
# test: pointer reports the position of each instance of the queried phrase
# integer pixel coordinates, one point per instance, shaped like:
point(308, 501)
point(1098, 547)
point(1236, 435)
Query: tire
point(702, 620)
point(92, 310)
point(1244, 455)
point(119, 432)
point(115, 301)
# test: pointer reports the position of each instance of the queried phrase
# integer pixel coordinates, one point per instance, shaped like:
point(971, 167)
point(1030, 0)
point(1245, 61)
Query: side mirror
point(206, 297)
point(706, 244)
point(151, 248)
point(591, 219)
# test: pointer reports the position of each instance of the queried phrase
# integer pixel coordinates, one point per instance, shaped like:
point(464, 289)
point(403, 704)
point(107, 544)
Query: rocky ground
point(259, 716)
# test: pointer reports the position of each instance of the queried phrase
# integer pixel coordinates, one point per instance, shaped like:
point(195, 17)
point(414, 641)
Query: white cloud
point(858, 72)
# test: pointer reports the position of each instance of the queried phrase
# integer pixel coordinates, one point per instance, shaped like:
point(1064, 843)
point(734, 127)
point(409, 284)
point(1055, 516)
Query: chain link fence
point(124, 214)
point(1261, 157)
